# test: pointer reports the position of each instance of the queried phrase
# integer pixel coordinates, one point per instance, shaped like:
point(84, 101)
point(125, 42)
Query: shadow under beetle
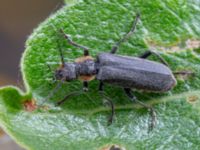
point(123, 71)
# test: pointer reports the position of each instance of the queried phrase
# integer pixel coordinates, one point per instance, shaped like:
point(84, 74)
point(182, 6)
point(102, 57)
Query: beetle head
point(66, 72)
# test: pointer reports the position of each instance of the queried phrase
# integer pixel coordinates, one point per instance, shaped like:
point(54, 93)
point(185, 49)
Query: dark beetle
point(126, 72)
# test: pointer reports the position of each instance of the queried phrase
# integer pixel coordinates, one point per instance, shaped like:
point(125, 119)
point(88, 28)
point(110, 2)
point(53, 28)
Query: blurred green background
point(17, 20)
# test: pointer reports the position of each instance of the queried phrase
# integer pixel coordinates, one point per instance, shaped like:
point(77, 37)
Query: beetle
point(126, 72)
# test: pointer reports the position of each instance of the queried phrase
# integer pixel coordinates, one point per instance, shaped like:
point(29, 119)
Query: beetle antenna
point(116, 46)
point(85, 49)
point(51, 71)
point(61, 56)
point(59, 48)
point(61, 53)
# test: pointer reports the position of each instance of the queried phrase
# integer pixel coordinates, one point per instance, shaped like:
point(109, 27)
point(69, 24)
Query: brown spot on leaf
point(182, 45)
point(193, 43)
point(113, 147)
point(30, 105)
point(45, 107)
point(192, 99)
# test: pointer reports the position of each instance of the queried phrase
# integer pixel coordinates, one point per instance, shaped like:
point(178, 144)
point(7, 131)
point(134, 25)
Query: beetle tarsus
point(152, 122)
point(184, 73)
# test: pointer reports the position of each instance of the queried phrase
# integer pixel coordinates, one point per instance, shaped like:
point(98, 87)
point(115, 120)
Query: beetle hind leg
point(182, 73)
point(152, 121)
point(149, 53)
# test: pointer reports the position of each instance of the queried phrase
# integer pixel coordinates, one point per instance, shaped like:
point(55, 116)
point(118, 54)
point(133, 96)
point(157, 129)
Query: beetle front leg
point(67, 97)
point(152, 111)
point(85, 89)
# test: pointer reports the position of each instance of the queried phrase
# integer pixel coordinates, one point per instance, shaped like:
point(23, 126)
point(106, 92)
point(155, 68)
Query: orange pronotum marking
point(87, 78)
point(81, 60)
point(84, 58)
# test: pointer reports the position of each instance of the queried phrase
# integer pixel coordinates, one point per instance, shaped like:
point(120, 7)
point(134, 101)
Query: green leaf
point(171, 27)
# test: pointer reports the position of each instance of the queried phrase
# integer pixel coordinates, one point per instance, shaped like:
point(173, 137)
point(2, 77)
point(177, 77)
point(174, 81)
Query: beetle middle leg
point(85, 86)
point(150, 108)
point(108, 102)
point(85, 49)
point(126, 36)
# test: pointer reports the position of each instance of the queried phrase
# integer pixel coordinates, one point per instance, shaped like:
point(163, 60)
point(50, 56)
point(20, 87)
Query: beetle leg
point(111, 116)
point(67, 97)
point(85, 49)
point(184, 73)
point(109, 102)
point(149, 53)
point(85, 86)
point(126, 36)
point(151, 110)
point(101, 86)
point(85, 89)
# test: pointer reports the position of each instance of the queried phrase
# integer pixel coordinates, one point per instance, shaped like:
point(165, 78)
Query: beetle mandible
point(123, 71)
